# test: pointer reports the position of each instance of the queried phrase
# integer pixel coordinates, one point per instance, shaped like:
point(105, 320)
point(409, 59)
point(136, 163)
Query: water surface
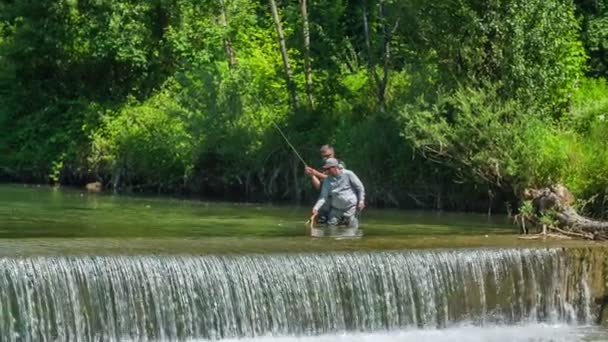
point(100, 267)
point(44, 220)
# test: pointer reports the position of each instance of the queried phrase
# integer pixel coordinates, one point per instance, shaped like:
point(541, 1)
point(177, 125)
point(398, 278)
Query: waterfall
point(101, 298)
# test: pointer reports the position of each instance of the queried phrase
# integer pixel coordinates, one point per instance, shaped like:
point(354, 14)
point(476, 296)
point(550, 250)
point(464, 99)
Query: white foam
point(468, 333)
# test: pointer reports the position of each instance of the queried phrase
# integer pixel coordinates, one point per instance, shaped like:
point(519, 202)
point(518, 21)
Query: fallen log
point(552, 209)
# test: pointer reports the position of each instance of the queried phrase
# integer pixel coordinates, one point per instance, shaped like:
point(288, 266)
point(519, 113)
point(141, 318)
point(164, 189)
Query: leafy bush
point(144, 145)
point(589, 106)
point(472, 131)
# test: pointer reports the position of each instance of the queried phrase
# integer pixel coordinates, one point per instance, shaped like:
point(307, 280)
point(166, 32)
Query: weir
point(101, 298)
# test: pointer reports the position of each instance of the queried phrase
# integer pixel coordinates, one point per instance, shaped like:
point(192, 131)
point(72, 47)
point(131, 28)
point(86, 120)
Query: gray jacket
point(344, 191)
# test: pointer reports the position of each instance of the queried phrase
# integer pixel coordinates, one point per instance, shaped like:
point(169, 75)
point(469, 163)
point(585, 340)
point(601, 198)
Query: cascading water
point(209, 297)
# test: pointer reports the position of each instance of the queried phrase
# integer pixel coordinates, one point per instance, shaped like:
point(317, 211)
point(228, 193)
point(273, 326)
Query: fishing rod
point(290, 145)
point(312, 218)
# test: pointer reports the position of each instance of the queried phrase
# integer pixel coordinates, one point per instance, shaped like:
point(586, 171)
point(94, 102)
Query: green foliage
point(433, 105)
point(527, 209)
point(144, 145)
point(573, 151)
point(543, 154)
point(593, 18)
point(527, 49)
point(471, 131)
point(588, 169)
point(590, 105)
point(548, 219)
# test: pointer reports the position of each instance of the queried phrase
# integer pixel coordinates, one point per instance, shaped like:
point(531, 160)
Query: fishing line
point(290, 145)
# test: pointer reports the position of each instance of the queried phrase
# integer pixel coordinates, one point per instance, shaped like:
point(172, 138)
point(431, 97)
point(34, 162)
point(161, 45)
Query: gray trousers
point(348, 215)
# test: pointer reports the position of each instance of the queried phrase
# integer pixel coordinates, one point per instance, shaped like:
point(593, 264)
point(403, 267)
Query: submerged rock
point(94, 187)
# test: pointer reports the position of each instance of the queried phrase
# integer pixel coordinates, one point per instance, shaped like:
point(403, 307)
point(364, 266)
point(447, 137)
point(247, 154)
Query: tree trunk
point(490, 201)
point(380, 83)
point(555, 202)
point(307, 67)
point(368, 44)
point(388, 37)
point(227, 41)
point(288, 74)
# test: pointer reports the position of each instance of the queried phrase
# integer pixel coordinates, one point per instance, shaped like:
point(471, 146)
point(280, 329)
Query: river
point(86, 267)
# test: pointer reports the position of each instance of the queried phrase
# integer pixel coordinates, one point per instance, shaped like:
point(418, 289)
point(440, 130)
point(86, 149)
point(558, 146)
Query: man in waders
point(317, 177)
point(344, 192)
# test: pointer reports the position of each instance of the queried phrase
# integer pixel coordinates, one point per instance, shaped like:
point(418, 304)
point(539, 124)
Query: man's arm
point(322, 198)
point(316, 183)
point(315, 176)
point(359, 189)
point(312, 172)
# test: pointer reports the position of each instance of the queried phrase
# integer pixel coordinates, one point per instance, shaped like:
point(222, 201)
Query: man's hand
point(312, 172)
point(361, 205)
point(315, 211)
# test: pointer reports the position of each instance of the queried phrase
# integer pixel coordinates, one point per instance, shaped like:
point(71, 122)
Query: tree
point(306, 38)
point(283, 48)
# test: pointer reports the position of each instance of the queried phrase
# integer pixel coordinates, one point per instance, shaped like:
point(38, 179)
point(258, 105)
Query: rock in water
point(94, 187)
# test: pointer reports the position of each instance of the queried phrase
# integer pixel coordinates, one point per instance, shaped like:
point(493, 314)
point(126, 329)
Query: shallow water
point(28, 211)
point(47, 221)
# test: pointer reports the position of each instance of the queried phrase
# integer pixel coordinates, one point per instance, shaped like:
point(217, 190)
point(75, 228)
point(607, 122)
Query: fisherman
point(316, 177)
point(345, 193)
